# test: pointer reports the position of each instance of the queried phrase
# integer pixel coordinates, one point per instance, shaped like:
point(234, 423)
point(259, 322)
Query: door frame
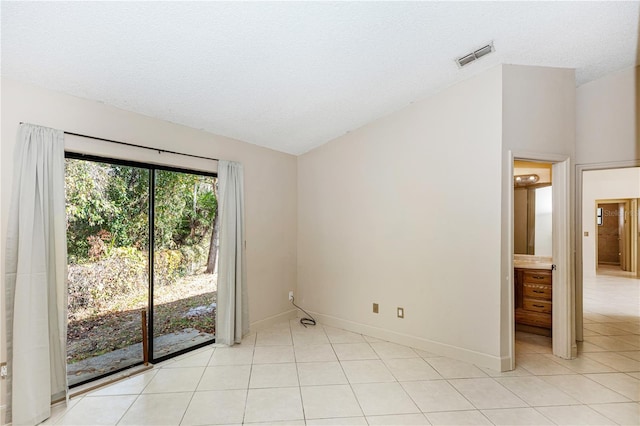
point(563, 296)
point(579, 261)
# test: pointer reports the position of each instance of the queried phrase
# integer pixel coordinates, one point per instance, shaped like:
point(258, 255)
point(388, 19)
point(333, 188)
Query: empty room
point(320, 213)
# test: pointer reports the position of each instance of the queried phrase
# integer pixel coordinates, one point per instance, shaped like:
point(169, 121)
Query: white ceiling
point(292, 76)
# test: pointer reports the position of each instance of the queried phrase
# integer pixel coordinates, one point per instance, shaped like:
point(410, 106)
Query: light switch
point(586, 233)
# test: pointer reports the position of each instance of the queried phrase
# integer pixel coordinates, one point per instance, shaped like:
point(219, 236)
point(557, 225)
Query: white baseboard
point(275, 319)
point(478, 358)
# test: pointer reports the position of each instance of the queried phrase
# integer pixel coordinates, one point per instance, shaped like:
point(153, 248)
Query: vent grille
point(476, 54)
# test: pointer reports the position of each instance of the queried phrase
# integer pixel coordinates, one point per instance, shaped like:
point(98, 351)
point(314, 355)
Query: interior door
point(564, 342)
point(625, 235)
point(609, 234)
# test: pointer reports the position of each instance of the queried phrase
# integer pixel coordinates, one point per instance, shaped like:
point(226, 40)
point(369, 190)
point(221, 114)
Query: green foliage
point(185, 207)
point(107, 207)
point(88, 206)
point(128, 189)
point(170, 265)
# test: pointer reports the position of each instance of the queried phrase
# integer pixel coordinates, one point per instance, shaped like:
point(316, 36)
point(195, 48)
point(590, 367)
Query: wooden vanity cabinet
point(533, 291)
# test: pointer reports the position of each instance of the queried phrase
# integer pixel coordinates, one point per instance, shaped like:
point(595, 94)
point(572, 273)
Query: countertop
point(524, 261)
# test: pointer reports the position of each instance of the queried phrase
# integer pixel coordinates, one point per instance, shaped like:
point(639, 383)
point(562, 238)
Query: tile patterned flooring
point(289, 375)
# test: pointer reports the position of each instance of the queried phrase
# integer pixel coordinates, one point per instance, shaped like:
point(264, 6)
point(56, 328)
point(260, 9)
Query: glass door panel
point(107, 212)
point(185, 275)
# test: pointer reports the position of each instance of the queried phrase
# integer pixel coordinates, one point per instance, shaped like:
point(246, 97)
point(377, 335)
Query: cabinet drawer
point(537, 291)
point(537, 277)
point(536, 305)
point(533, 318)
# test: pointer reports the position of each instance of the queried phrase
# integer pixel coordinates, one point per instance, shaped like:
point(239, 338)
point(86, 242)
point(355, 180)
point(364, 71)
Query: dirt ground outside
point(189, 303)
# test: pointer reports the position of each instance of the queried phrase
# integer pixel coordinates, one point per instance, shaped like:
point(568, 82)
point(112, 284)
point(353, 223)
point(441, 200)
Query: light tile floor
point(291, 375)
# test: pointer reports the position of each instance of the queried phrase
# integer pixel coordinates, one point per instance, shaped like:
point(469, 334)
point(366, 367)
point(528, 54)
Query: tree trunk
point(192, 222)
point(213, 247)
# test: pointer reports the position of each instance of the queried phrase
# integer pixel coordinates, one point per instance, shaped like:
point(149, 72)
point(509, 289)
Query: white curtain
point(232, 314)
point(36, 293)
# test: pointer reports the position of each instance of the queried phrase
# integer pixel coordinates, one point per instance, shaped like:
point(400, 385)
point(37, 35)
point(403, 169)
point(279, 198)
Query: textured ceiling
point(292, 76)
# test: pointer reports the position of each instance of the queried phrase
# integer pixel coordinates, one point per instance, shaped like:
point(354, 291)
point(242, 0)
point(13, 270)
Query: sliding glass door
point(112, 208)
point(184, 289)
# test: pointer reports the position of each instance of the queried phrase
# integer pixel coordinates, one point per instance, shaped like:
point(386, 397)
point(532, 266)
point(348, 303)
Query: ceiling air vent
point(476, 54)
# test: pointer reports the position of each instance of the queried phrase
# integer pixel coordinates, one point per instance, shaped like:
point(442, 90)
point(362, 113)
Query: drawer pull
point(539, 277)
point(538, 306)
point(538, 291)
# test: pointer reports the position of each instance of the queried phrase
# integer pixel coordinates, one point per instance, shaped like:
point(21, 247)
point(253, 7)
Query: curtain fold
point(35, 277)
point(232, 314)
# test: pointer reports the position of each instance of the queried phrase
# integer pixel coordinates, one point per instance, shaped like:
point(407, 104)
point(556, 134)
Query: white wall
point(602, 185)
point(270, 180)
point(386, 215)
point(539, 109)
point(406, 212)
point(608, 117)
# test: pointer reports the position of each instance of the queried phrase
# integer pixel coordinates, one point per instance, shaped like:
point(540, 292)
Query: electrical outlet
point(290, 295)
point(375, 308)
point(400, 312)
point(3, 370)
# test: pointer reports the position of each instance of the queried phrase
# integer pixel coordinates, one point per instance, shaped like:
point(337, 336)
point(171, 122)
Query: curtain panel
point(232, 321)
point(35, 278)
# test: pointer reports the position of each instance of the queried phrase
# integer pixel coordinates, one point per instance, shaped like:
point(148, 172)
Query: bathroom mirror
point(532, 213)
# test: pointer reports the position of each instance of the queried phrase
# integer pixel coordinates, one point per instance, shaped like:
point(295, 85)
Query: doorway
point(533, 242)
point(611, 316)
point(600, 184)
point(560, 270)
point(141, 250)
point(615, 244)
